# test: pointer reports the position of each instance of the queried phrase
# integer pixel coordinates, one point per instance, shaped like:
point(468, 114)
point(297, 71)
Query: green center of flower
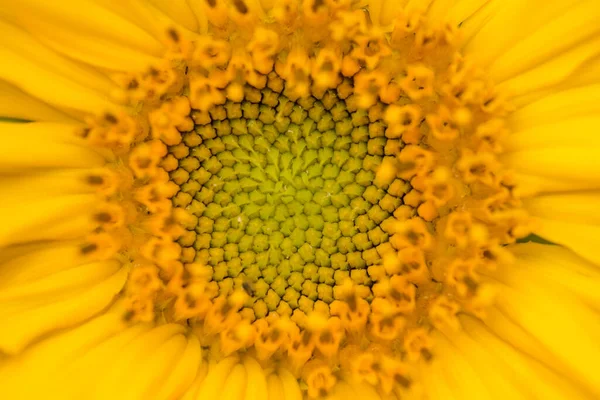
point(285, 197)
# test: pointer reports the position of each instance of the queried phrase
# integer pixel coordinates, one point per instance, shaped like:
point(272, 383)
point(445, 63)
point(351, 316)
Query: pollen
point(321, 198)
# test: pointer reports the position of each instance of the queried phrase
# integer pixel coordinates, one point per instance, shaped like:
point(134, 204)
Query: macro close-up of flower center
point(318, 199)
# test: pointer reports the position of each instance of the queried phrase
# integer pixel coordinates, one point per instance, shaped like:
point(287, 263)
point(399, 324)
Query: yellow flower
point(287, 199)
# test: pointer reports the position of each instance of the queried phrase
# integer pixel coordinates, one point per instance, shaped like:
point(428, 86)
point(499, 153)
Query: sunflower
point(299, 199)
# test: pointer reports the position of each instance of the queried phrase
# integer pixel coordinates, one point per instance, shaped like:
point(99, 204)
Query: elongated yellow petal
point(491, 371)
point(26, 263)
point(64, 281)
point(580, 237)
point(570, 103)
point(24, 187)
point(559, 268)
point(14, 103)
point(75, 381)
point(436, 383)
point(461, 10)
point(27, 46)
point(42, 315)
point(531, 185)
point(578, 22)
point(215, 380)
point(50, 218)
point(553, 72)
point(576, 163)
point(43, 361)
point(125, 365)
point(487, 45)
point(557, 135)
point(48, 145)
point(197, 8)
point(290, 385)
point(565, 327)
point(256, 384)
point(462, 378)
point(147, 17)
point(235, 386)
point(49, 86)
point(84, 18)
point(535, 379)
point(580, 208)
point(146, 380)
point(566, 162)
point(98, 52)
point(274, 388)
point(183, 374)
point(192, 392)
point(179, 11)
point(477, 20)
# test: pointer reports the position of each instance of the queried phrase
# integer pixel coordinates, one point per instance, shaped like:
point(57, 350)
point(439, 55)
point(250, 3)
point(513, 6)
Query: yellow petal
point(575, 24)
point(27, 46)
point(578, 163)
point(75, 381)
point(560, 268)
point(41, 144)
point(535, 379)
point(143, 353)
point(581, 238)
point(62, 217)
point(565, 327)
point(14, 103)
point(274, 388)
point(290, 385)
point(38, 316)
point(53, 182)
point(507, 23)
point(183, 374)
point(256, 384)
point(553, 72)
point(462, 378)
point(82, 17)
point(26, 263)
point(197, 8)
point(149, 18)
point(472, 26)
point(561, 105)
point(456, 11)
point(531, 185)
point(42, 361)
point(559, 134)
point(192, 392)
point(491, 371)
point(462, 10)
point(235, 386)
point(98, 52)
point(436, 382)
point(178, 10)
point(580, 208)
point(54, 285)
point(215, 380)
point(49, 86)
point(144, 381)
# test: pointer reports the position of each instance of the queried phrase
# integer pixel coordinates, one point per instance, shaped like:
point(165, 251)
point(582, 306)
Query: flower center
point(285, 193)
point(311, 189)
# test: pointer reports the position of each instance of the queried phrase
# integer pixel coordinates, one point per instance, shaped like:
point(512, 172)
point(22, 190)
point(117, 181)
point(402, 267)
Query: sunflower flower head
point(303, 194)
point(316, 191)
